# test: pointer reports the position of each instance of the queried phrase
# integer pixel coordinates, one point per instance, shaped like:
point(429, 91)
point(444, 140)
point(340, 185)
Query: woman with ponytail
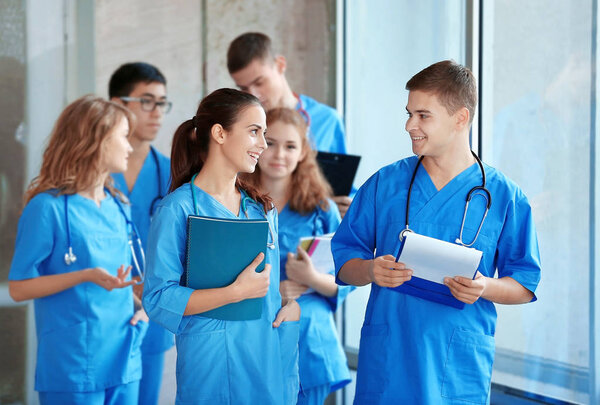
point(288, 171)
point(218, 361)
point(70, 257)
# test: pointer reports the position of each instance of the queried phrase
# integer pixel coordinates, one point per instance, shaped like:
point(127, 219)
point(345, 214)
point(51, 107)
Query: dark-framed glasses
point(149, 104)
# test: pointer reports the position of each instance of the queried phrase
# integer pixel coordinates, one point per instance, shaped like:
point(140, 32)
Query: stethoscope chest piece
point(70, 257)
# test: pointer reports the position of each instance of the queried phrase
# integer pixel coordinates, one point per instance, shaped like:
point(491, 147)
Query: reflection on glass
point(540, 137)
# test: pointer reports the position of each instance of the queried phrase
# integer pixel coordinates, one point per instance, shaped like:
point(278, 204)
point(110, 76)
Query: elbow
point(16, 293)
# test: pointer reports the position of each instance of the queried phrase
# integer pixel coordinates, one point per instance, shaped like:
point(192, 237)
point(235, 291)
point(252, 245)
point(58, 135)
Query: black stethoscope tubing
point(474, 191)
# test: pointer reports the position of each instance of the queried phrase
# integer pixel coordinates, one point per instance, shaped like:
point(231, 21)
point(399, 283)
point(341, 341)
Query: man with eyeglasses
point(141, 87)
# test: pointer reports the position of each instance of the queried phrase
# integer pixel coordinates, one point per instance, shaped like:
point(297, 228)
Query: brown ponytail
point(192, 138)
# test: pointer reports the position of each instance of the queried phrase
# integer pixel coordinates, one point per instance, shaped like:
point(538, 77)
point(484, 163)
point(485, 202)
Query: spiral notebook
point(218, 249)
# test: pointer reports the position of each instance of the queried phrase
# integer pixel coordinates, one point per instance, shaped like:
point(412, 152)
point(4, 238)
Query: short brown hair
point(247, 47)
point(453, 83)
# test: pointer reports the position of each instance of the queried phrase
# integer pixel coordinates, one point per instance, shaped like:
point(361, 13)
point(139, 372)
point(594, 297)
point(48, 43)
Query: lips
point(254, 156)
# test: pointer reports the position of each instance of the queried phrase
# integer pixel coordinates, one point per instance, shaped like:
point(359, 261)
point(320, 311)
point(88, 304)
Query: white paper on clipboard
point(433, 259)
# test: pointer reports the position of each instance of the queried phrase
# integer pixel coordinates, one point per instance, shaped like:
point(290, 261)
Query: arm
point(43, 286)
point(504, 290)
point(249, 284)
point(300, 269)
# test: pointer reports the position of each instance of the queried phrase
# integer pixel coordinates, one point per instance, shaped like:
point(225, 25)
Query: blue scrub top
point(326, 127)
point(418, 351)
point(218, 362)
point(146, 189)
point(322, 359)
point(85, 340)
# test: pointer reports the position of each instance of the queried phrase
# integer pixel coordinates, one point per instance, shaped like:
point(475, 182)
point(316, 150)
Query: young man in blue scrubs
point(141, 87)
point(413, 349)
point(255, 69)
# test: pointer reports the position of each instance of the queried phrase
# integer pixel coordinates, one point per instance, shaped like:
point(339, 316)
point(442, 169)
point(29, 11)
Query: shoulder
point(161, 157)
point(316, 107)
point(178, 198)
point(46, 201)
point(501, 185)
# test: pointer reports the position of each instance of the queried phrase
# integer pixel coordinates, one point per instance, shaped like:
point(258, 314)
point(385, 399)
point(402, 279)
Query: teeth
point(417, 138)
point(254, 155)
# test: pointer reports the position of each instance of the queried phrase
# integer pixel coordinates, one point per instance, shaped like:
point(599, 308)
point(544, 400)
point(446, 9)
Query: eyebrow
point(419, 111)
point(153, 96)
point(254, 125)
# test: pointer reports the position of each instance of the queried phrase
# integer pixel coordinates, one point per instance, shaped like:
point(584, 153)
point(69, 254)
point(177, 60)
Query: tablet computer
point(339, 170)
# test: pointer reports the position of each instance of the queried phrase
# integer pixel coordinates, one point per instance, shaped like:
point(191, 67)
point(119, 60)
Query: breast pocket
point(202, 375)
point(468, 369)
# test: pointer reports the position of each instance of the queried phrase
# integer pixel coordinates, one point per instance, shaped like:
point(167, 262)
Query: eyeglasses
point(149, 104)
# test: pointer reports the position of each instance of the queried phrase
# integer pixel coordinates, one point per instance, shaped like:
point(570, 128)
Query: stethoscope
point(70, 257)
point(302, 111)
point(477, 190)
point(160, 196)
point(245, 200)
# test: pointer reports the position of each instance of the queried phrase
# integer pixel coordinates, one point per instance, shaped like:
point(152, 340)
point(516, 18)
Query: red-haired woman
point(70, 257)
point(288, 171)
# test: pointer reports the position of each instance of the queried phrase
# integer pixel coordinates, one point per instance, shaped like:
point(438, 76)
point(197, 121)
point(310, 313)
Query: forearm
point(324, 284)
point(506, 290)
point(43, 286)
point(356, 272)
point(211, 298)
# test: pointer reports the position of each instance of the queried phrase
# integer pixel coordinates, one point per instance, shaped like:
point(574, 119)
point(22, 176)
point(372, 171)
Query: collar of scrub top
point(140, 265)
point(302, 111)
point(478, 190)
point(160, 195)
point(245, 200)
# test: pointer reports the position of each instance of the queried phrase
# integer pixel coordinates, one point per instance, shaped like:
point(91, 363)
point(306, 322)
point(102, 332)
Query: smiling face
point(116, 148)
point(432, 129)
point(244, 142)
point(284, 153)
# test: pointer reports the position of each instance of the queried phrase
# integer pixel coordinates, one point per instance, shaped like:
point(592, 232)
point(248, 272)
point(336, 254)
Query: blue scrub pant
point(125, 394)
point(152, 369)
point(313, 396)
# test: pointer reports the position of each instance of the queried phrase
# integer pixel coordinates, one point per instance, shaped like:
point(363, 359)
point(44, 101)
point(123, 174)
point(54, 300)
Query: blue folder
point(426, 289)
point(218, 249)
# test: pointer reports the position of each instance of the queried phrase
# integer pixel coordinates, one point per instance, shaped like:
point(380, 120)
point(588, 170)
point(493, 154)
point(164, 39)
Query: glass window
point(536, 129)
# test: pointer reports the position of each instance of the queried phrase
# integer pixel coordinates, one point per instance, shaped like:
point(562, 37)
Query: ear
point(280, 64)
point(218, 134)
point(462, 118)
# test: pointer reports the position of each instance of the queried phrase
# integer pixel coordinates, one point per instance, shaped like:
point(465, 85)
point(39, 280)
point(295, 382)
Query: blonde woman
point(71, 257)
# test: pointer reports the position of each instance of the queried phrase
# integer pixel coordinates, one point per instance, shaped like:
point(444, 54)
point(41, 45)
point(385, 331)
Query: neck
point(96, 191)
point(278, 189)
point(140, 147)
point(288, 100)
point(217, 179)
point(443, 168)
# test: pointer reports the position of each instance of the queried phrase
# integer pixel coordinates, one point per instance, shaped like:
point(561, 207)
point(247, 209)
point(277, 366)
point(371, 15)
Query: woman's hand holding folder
point(249, 283)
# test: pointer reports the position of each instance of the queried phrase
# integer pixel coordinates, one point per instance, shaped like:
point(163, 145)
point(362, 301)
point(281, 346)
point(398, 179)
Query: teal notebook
point(218, 249)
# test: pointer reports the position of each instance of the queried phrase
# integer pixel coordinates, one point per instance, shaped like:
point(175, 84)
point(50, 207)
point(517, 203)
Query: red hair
point(308, 187)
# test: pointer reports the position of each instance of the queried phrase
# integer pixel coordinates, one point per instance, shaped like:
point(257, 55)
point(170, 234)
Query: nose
point(254, 91)
point(410, 124)
point(262, 142)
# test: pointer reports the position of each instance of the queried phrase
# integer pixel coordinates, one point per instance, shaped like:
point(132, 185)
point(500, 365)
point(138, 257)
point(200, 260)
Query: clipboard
point(339, 170)
point(430, 257)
